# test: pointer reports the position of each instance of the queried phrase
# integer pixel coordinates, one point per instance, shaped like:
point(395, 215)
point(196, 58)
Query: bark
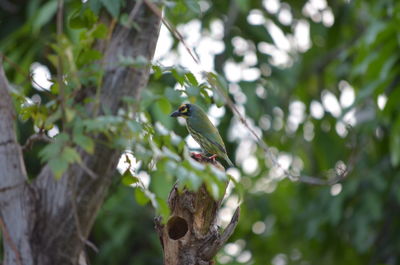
point(16, 196)
point(191, 236)
point(48, 220)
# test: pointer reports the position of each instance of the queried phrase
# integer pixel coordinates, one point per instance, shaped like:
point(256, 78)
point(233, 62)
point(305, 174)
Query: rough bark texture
point(16, 196)
point(191, 236)
point(48, 220)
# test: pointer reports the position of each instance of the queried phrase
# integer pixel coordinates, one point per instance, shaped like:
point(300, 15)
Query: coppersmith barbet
point(203, 131)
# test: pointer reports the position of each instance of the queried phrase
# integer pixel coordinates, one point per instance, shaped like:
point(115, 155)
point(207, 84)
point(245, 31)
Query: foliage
point(302, 107)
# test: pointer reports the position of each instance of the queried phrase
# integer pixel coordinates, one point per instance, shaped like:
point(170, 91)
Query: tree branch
point(96, 172)
point(44, 224)
point(190, 236)
point(211, 250)
point(41, 136)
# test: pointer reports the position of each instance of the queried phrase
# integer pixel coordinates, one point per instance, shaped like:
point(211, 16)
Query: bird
point(203, 131)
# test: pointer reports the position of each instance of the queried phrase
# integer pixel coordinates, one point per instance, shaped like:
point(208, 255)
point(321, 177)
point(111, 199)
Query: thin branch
point(212, 249)
point(88, 171)
point(172, 29)
point(76, 217)
point(8, 239)
point(60, 68)
point(37, 137)
point(28, 76)
point(134, 11)
point(266, 148)
point(214, 83)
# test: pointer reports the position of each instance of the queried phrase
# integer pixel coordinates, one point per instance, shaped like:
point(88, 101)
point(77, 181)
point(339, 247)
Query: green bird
point(203, 131)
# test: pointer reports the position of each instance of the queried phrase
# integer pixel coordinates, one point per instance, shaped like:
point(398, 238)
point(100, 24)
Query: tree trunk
point(47, 221)
point(191, 236)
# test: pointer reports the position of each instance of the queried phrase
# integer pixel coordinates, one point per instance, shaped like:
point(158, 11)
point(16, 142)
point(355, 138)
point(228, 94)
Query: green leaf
point(134, 126)
point(214, 190)
point(173, 95)
point(100, 31)
point(218, 100)
point(54, 149)
point(188, 177)
point(192, 91)
point(70, 155)
point(220, 88)
point(138, 62)
point(157, 72)
point(194, 6)
point(58, 166)
point(112, 6)
point(89, 56)
point(54, 89)
point(178, 74)
point(125, 21)
point(217, 82)
point(191, 79)
point(128, 179)
point(70, 114)
point(238, 188)
point(395, 144)
point(162, 208)
point(141, 197)
point(85, 142)
point(164, 105)
point(95, 6)
point(82, 19)
point(243, 5)
point(161, 183)
point(46, 12)
point(53, 118)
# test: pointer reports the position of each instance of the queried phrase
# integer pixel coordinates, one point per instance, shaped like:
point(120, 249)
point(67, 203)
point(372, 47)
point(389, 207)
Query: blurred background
point(317, 80)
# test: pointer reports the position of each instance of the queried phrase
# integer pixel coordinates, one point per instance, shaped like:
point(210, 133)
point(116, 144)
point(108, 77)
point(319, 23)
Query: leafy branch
point(219, 85)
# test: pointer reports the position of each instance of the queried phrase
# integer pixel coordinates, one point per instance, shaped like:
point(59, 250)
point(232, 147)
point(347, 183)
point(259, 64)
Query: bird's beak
point(175, 114)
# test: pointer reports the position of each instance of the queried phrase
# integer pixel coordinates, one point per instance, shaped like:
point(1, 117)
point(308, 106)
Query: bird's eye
point(183, 109)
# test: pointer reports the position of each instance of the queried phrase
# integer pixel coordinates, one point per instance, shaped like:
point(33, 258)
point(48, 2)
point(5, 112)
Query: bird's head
point(185, 111)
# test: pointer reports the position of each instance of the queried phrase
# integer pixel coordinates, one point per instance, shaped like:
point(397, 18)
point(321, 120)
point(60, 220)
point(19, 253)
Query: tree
point(316, 80)
point(47, 220)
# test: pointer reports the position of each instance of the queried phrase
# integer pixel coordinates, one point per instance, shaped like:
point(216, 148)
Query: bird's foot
point(212, 158)
point(197, 156)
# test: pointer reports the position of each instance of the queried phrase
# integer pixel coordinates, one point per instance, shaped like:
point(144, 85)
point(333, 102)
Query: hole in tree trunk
point(177, 227)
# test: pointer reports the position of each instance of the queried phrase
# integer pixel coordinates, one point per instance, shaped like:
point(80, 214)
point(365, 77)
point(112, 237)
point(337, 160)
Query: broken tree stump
point(191, 236)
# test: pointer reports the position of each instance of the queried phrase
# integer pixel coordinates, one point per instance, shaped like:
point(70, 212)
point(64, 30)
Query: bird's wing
point(211, 133)
point(220, 147)
point(210, 137)
point(202, 124)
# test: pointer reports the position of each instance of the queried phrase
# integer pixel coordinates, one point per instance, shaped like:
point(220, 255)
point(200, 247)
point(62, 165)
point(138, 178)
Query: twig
point(76, 217)
point(235, 111)
point(134, 11)
point(22, 72)
point(172, 29)
point(265, 147)
point(41, 136)
point(212, 249)
point(60, 70)
point(88, 171)
point(8, 239)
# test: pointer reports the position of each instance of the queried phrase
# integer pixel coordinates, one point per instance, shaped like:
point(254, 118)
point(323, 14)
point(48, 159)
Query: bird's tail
point(228, 161)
